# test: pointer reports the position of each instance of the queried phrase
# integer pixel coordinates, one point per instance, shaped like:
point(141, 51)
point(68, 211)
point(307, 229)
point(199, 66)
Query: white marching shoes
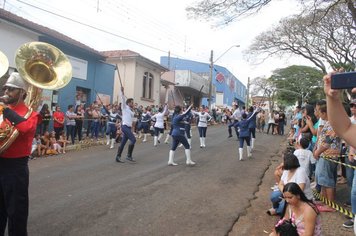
point(249, 151)
point(189, 159)
point(241, 153)
point(201, 142)
point(253, 143)
point(167, 138)
point(144, 138)
point(107, 140)
point(171, 158)
point(155, 141)
point(112, 143)
point(159, 137)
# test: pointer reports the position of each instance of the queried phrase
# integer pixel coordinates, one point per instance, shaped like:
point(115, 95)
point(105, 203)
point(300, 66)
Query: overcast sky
point(152, 28)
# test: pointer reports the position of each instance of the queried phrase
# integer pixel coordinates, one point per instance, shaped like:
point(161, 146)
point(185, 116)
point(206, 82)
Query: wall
point(143, 67)
point(131, 72)
point(100, 76)
point(12, 38)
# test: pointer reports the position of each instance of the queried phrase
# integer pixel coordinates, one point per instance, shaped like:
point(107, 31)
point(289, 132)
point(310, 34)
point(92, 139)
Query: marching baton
point(181, 97)
point(199, 94)
point(101, 102)
point(174, 103)
point(118, 72)
point(166, 97)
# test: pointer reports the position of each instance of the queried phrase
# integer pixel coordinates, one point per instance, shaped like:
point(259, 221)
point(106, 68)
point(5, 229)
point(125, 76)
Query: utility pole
point(211, 70)
point(248, 92)
point(211, 77)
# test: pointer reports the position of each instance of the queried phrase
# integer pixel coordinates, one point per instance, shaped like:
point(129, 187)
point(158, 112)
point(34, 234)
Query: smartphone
point(343, 80)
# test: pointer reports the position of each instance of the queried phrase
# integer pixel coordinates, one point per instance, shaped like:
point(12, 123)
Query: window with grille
point(147, 85)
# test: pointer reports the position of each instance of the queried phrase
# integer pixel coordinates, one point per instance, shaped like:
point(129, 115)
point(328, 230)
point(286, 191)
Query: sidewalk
point(256, 222)
point(86, 143)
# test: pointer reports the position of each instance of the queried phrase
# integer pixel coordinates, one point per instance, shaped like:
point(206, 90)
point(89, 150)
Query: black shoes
point(130, 159)
point(129, 154)
point(118, 159)
point(229, 136)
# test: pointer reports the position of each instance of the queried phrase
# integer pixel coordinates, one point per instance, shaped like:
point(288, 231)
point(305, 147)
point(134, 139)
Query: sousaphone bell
point(43, 66)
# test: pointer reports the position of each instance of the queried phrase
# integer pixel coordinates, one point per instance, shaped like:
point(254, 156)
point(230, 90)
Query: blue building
point(92, 77)
point(226, 90)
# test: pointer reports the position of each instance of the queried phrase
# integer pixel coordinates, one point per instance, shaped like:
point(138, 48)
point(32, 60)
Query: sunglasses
point(352, 105)
point(10, 89)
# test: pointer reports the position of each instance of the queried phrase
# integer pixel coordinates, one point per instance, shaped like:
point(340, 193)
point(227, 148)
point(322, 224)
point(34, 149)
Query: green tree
point(330, 41)
point(297, 84)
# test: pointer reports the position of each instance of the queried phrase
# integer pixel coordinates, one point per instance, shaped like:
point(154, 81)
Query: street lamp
point(211, 70)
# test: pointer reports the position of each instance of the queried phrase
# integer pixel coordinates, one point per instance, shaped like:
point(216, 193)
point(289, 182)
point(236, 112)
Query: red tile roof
point(17, 20)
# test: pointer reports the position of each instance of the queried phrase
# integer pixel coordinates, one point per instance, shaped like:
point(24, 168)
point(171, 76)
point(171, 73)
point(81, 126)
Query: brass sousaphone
point(43, 66)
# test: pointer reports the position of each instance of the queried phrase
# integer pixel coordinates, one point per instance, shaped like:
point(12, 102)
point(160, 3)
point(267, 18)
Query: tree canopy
point(297, 84)
point(329, 41)
point(227, 11)
point(290, 85)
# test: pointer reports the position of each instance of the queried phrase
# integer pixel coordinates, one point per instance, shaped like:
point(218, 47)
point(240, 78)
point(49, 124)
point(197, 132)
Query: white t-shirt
point(271, 119)
point(237, 114)
point(159, 117)
point(299, 177)
point(204, 117)
point(127, 113)
point(305, 157)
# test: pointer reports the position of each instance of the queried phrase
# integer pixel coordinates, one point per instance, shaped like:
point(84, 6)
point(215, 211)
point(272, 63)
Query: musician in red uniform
point(14, 173)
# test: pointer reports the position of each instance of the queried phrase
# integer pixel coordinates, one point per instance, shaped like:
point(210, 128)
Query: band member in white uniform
point(204, 118)
point(159, 124)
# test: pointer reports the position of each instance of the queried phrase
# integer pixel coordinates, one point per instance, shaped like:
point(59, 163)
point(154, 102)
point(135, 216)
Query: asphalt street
point(86, 192)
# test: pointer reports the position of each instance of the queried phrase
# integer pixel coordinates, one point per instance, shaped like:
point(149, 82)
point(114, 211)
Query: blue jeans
point(202, 131)
point(277, 201)
point(126, 135)
point(349, 173)
point(95, 129)
point(71, 132)
point(353, 194)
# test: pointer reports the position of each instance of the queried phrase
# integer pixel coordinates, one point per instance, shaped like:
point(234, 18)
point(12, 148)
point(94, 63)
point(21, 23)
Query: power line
point(93, 27)
point(91, 6)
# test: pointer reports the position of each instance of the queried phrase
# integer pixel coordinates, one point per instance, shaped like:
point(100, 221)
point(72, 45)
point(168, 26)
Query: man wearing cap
point(14, 173)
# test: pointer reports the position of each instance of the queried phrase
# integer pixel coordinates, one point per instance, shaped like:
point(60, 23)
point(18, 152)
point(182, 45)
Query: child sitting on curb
point(62, 141)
